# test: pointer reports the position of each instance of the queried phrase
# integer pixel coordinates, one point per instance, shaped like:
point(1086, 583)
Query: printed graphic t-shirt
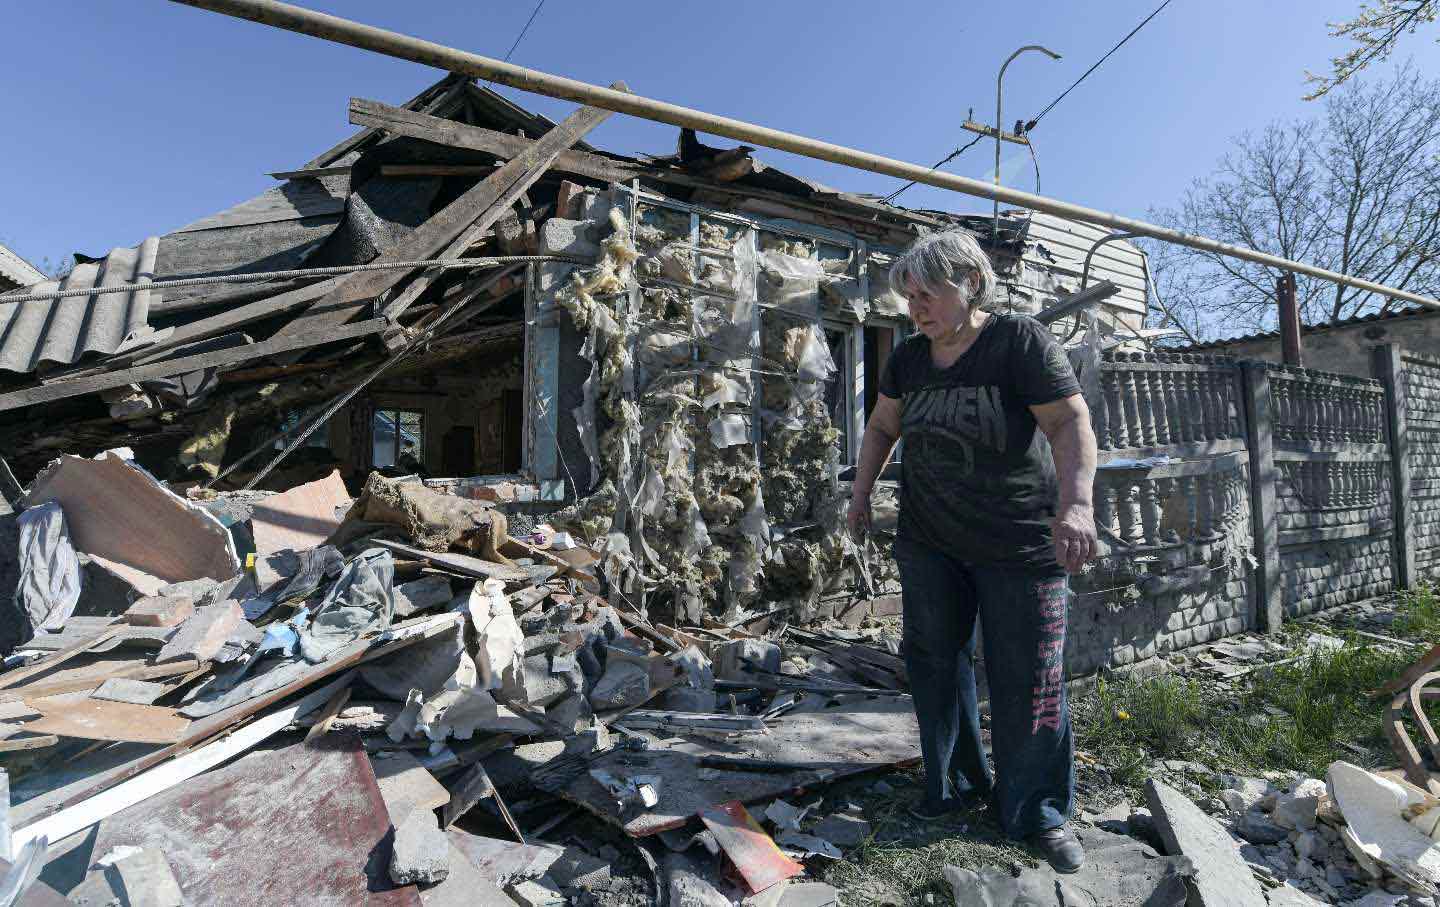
point(976, 475)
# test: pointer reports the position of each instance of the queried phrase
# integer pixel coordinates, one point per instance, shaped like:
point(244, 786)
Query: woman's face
point(940, 315)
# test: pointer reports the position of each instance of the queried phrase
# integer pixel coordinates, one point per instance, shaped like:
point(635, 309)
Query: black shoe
point(1060, 847)
point(927, 811)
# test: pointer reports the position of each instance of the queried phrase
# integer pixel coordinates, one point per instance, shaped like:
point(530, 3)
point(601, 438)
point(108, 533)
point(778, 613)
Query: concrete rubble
point(475, 703)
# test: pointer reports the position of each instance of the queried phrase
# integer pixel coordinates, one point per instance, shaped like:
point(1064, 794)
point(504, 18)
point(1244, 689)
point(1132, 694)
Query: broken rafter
point(450, 232)
point(171, 367)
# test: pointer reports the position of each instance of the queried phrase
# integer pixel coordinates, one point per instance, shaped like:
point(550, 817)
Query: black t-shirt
point(977, 477)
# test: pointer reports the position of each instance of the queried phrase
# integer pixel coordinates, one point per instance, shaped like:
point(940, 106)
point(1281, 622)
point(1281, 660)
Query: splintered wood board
point(754, 854)
point(304, 824)
point(844, 740)
point(97, 719)
point(463, 564)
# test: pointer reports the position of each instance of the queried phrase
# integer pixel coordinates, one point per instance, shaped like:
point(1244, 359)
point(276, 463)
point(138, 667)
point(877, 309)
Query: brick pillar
point(1390, 369)
point(1259, 419)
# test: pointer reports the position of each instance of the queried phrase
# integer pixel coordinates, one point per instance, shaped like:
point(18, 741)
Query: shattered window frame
point(396, 427)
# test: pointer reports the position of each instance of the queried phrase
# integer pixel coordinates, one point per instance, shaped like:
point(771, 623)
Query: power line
point(889, 199)
point(1031, 125)
point(520, 37)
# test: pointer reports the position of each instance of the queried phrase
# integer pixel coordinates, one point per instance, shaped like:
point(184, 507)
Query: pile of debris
point(302, 697)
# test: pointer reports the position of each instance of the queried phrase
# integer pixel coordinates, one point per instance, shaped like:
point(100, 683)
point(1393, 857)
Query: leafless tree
point(1356, 190)
point(1374, 31)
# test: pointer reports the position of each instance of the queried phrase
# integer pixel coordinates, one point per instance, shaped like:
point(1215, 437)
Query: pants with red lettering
point(1021, 621)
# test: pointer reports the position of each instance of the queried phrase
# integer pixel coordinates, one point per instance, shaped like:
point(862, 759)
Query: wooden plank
point(142, 672)
point(437, 169)
point(99, 719)
point(202, 730)
point(457, 563)
point(45, 664)
point(36, 742)
point(327, 715)
point(85, 810)
point(312, 173)
point(753, 853)
point(170, 367)
point(454, 228)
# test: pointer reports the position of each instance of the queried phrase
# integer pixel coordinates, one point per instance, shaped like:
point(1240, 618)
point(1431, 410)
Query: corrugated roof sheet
point(61, 331)
point(1060, 245)
point(1310, 328)
point(16, 271)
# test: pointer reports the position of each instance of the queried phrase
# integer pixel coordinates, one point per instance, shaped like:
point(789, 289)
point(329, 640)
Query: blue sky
point(128, 119)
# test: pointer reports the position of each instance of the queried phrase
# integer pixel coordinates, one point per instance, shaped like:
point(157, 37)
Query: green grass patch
point(1417, 615)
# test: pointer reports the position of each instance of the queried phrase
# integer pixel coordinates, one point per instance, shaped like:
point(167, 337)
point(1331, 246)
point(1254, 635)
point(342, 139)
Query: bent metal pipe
point(366, 37)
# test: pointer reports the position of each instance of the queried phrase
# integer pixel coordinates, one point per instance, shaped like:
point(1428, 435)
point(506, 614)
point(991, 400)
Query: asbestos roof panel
point(61, 331)
point(16, 271)
point(1310, 328)
point(292, 200)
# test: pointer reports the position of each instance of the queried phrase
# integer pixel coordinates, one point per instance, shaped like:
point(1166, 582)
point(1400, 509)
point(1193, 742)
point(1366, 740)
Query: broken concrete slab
point(503, 862)
point(123, 689)
point(1118, 872)
point(744, 659)
point(578, 869)
point(203, 635)
point(300, 518)
point(422, 594)
point(403, 780)
point(541, 892)
point(145, 880)
point(843, 830)
point(622, 685)
point(1295, 809)
point(464, 886)
point(808, 894)
point(421, 851)
point(160, 611)
point(1221, 877)
point(689, 885)
point(125, 519)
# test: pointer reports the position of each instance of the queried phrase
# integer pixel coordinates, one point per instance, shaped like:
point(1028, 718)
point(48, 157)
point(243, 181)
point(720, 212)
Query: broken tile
point(623, 684)
point(145, 880)
point(578, 869)
point(421, 595)
point(203, 635)
point(743, 659)
point(421, 851)
point(752, 852)
point(539, 892)
point(689, 885)
point(463, 886)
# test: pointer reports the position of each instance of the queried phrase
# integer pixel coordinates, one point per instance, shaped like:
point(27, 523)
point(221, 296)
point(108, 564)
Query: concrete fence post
point(1259, 430)
point(1390, 369)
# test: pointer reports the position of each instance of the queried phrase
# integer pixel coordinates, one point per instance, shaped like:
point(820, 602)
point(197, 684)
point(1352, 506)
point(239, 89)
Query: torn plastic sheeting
point(813, 358)
point(791, 283)
point(844, 292)
point(729, 429)
point(49, 584)
point(727, 329)
point(651, 499)
point(360, 602)
point(460, 713)
point(729, 390)
point(584, 414)
point(663, 349)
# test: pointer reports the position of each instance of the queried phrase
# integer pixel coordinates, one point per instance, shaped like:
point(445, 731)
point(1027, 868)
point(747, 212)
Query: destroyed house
point(673, 357)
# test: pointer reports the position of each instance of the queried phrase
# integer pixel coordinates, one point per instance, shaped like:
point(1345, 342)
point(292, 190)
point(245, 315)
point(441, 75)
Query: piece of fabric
point(360, 602)
point(1021, 615)
point(977, 475)
point(49, 584)
point(291, 576)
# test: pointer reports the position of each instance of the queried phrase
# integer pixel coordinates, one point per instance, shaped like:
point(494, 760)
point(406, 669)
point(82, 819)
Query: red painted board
point(753, 853)
point(304, 824)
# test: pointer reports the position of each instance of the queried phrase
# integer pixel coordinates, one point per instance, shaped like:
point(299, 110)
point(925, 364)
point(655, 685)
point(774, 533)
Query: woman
point(992, 517)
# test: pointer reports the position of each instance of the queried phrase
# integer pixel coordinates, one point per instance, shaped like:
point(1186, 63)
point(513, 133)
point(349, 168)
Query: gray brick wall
point(1330, 574)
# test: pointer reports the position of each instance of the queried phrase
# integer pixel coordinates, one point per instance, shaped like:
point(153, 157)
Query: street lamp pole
point(1000, 127)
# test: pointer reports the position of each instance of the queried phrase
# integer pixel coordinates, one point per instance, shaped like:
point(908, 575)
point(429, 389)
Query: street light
point(999, 80)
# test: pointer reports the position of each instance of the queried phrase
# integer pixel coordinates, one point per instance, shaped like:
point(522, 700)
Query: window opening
point(398, 439)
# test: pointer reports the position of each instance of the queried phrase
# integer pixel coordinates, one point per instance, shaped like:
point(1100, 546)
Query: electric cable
point(890, 199)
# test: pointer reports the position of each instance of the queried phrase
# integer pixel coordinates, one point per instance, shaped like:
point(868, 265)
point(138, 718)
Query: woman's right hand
point(858, 518)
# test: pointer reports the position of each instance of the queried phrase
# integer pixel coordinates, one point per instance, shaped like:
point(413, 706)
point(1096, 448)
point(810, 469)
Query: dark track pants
point(1022, 615)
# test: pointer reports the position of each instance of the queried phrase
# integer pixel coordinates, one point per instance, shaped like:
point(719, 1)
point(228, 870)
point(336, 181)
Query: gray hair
point(941, 259)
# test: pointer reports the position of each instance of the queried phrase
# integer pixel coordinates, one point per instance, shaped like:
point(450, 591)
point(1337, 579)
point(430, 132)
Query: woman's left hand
point(1074, 530)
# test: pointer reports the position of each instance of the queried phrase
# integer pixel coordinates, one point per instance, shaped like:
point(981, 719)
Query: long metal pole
point(366, 37)
point(1000, 127)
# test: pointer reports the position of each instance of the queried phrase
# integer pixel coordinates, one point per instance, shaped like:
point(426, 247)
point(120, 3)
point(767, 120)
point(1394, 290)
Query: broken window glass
point(398, 439)
point(320, 437)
